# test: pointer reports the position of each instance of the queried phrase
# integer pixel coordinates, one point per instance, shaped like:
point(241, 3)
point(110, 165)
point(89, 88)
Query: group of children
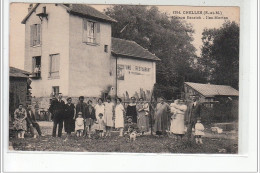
point(102, 123)
point(99, 124)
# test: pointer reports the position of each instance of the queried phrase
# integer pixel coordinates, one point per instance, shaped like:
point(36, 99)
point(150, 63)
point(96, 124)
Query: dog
point(133, 135)
point(216, 130)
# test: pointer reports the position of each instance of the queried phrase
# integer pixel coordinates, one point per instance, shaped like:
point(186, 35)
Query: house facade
point(68, 49)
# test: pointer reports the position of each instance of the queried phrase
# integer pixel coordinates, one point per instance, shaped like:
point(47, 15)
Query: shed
point(19, 85)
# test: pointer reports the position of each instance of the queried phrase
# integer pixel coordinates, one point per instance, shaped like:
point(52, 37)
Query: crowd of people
point(85, 119)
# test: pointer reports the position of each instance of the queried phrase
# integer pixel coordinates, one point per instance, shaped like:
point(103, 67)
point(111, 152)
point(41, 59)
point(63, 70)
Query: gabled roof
point(15, 72)
point(88, 11)
point(78, 9)
point(209, 90)
point(131, 49)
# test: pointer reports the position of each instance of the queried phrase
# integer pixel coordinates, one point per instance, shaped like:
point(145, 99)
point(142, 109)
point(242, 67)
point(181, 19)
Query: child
point(119, 117)
point(79, 125)
point(130, 126)
point(101, 126)
point(199, 131)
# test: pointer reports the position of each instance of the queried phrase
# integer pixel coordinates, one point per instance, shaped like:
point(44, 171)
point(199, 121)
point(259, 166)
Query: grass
point(143, 144)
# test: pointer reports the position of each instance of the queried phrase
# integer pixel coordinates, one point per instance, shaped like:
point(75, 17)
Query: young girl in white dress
point(101, 126)
point(79, 125)
point(119, 116)
point(199, 131)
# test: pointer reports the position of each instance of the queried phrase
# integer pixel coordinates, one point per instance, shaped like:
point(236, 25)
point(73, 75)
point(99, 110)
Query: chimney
point(30, 7)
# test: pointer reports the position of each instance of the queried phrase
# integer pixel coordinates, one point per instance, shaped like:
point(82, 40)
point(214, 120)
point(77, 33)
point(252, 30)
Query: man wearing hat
point(57, 109)
point(193, 113)
point(81, 107)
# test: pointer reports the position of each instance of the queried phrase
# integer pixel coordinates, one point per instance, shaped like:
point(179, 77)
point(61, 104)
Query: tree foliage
point(168, 38)
point(220, 54)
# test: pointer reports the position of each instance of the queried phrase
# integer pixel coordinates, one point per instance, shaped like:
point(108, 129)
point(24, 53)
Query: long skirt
point(20, 125)
point(143, 122)
point(109, 119)
point(69, 125)
point(177, 124)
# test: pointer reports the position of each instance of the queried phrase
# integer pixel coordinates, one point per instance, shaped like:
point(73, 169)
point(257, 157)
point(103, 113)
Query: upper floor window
point(35, 34)
point(36, 67)
point(91, 32)
point(54, 65)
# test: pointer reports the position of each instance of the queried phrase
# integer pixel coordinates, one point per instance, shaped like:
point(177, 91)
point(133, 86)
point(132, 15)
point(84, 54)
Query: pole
point(152, 111)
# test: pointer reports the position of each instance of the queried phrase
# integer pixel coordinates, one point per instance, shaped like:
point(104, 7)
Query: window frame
point(50, 67)
point(35, 35)
point(86, 32)
point(53, 90)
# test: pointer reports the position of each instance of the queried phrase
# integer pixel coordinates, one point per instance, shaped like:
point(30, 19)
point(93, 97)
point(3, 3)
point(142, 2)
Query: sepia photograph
point(124, 78)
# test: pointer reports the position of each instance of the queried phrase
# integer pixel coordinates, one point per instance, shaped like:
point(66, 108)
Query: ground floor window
point(55, 90)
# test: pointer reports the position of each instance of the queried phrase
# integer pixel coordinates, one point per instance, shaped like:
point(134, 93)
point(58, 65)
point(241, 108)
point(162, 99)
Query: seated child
point(130, 126)
point(79, 125)
point(101, 126)
point(199, 131)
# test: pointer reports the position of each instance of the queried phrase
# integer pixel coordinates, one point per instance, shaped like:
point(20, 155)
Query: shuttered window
point(35, 34)
point(91, 32)
point(54, 65)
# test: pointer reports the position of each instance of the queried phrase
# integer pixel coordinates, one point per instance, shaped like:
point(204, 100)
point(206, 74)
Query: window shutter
point(97, 32)
point(50, 65)
point(33, 63)
point(31, 35)
point(39, 34)
point(85, 31)
point(57, 63)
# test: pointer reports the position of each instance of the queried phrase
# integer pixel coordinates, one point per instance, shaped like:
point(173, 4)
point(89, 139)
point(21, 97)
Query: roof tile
point(209, 90)
point(15, 72)
point(131, 49)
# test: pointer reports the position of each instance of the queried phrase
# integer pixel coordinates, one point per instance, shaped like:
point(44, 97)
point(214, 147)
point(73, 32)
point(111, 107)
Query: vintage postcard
point(124, 78)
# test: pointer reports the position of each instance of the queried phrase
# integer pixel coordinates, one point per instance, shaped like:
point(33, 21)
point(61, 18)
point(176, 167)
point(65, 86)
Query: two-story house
point(69, 49)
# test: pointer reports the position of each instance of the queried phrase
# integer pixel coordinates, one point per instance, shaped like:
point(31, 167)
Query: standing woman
point(99, 109)
point(131, 110)
point(173, 111)
point(70, 114)
point(109, 114)
point(178, 128)
point(142, 118)
point(161, 117)
point(119, 116)
point(20, 116)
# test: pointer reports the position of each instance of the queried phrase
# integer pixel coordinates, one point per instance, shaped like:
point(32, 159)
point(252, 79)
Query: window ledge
point(39, 45)
point(91, 44)
point(56, 77)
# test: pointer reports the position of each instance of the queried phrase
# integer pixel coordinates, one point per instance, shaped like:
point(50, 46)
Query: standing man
point(81, 107)
point(193, 113)
point(57, 109)
point(31, 122)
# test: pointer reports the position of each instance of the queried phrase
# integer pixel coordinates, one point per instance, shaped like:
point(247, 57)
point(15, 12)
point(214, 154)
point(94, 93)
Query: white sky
point(19, 10)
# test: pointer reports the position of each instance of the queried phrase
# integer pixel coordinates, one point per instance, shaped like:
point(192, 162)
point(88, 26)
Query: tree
point(220, 54)
point(168, 38)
